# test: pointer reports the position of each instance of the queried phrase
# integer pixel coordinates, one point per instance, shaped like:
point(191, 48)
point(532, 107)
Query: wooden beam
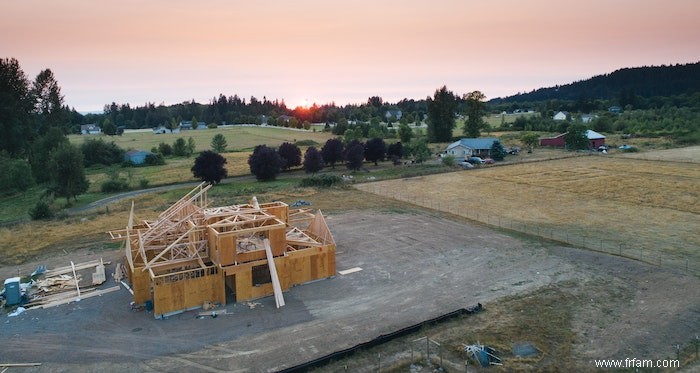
point(279, 298)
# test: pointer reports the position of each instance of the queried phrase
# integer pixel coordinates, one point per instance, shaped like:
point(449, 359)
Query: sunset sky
point(170, 51)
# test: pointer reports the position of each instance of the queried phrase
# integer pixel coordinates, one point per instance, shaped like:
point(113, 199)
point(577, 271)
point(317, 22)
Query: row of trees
point(267, 162)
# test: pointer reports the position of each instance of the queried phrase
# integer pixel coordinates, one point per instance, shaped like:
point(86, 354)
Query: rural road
point(133, 193)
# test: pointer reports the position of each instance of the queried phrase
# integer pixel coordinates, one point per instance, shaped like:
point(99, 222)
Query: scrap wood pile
point(62, 285)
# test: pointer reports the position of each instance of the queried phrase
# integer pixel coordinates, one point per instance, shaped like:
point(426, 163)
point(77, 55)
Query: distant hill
point(640, 81)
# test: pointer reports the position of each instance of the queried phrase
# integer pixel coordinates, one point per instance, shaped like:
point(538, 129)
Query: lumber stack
point(63, 285)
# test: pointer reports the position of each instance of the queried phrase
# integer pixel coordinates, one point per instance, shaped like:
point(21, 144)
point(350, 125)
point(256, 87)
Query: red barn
point(595, 140)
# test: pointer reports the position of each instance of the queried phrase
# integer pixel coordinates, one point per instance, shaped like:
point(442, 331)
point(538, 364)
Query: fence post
point(379, 362)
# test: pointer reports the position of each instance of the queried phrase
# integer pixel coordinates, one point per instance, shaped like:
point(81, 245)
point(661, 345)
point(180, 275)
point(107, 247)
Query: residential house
point(560, 115)
point(396, 114)
point(187, 125)
point(474, 147)
point(588, 118)
point(136, 157)
point(90, 129)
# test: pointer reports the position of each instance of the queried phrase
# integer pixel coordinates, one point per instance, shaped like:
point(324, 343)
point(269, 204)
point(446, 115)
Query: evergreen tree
point(265, 163)
point(109, 128)
point(498, 152)
point(441, 115)
point(313, 161)
point(291, 155)
point(16, 105)
point(209, 166)
point(67, 172)
point(476, 109)
point(48, 103)
point(191, 147)
point(180, 147)
point(218, 143)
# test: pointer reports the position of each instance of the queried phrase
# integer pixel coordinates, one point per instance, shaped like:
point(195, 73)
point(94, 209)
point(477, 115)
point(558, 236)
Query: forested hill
point(639, 81)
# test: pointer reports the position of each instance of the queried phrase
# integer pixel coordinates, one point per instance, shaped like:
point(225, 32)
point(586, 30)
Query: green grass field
point(238, 138)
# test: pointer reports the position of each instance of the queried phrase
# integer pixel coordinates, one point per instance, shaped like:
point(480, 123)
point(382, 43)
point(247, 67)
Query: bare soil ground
point(574, 305)
point(652, 209)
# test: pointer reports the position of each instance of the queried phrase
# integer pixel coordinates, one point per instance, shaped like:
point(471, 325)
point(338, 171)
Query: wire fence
point(580, 238)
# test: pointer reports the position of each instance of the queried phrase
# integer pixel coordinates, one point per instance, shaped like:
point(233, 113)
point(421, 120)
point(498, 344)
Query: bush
point(154, 160)
point(41, 210)
point(306, 143)
point(143, 183)
point(165, 149)
point(118, 185)
point(15, 175)
point(96, 151)
point(322, 181)
point(448, 160)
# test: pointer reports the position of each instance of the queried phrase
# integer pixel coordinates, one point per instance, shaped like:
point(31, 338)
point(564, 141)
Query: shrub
point(41, 210)
point(118, 185)
point(448, 160)
point(165, 149)
point(322, 181)
point(96, 151)
point(15, 175)
point(306, 143)
point(154, 160)
point(143, 183)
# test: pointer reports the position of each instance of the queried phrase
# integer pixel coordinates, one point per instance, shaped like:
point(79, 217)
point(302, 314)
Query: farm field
point(237, 137)
point(640, 209)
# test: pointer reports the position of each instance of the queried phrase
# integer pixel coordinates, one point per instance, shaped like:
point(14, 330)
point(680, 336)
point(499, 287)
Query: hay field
point(646, 210)
point(237, 137)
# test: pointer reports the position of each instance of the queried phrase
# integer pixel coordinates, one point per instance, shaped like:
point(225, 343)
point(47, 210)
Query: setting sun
point(305, 103)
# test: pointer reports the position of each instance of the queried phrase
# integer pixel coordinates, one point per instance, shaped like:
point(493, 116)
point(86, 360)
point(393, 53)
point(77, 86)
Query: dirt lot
point(415, 266)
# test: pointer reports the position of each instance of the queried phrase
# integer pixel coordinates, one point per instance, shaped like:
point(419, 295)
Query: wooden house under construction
point(191, 252)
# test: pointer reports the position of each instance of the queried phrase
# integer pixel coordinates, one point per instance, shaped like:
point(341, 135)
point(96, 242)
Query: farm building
point(595, 140)
point(191, 253)
point(136, 156)
point(90, 129)
point(474, 147)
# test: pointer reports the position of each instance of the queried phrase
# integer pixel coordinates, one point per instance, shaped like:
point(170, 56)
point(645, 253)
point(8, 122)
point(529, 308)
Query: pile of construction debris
point(47, 288)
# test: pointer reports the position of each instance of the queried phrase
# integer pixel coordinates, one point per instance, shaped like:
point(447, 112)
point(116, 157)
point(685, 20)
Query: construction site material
point(279, 298)
point(69, 299)
point(19, 365)
point(191, 252)
point(63, 285)
point(127, 287)
point(483, 355)
point(349, 271)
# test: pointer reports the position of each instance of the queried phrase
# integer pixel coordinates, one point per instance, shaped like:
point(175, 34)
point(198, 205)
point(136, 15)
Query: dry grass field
point(645, 210)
